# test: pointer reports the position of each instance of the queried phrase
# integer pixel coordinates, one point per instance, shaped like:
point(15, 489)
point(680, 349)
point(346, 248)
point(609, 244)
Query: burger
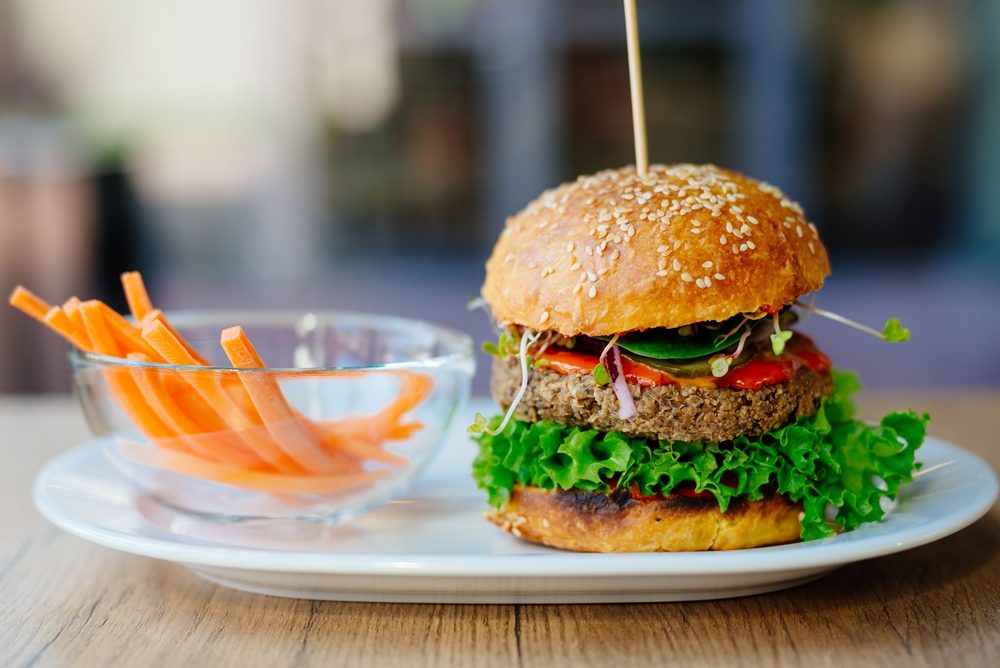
point(655, 395)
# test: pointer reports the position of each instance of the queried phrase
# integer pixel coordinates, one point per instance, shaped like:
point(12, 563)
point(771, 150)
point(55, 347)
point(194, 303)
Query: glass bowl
point(348, 410)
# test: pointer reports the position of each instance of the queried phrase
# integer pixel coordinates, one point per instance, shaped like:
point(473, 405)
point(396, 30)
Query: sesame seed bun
point(587, 521)
point(613, 252)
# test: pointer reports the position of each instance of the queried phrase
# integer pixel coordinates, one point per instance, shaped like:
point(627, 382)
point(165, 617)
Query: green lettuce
point(825, 460)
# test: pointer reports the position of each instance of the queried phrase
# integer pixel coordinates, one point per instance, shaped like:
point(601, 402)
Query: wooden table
point(66, 602)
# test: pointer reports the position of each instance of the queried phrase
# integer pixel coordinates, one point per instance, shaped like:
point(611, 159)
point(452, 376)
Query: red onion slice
point(626, 406)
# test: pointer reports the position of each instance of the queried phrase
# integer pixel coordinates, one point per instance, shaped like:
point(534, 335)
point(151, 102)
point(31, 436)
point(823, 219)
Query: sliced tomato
point(567, 361)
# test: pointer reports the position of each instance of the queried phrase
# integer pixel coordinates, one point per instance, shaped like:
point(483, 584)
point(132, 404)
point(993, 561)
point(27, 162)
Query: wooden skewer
point(635, 79)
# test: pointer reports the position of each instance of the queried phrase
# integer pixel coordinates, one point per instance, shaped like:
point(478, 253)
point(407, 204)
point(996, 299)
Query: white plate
point(434, 546)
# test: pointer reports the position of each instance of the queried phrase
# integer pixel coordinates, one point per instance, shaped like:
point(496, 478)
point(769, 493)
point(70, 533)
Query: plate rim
point(824, 553)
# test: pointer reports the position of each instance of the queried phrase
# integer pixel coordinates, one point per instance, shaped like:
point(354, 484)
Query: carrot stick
point(270, 403)
point(72, 308)
point(24, 299)
point(252, 480)
point(385, 424)
point(71, 305)
point(212, 391)
point(127, 336)
point(136, 295)
point(156, 315)
point(61, 323)
point(121, 384)
point(224, 447)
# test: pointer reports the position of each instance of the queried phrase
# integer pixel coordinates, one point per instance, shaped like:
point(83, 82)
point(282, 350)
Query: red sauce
point(758, 372)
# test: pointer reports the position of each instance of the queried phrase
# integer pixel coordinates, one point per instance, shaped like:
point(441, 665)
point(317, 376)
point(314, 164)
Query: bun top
point(613, 253)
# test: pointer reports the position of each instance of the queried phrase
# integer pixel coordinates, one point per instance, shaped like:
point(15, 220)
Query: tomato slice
point(568, 361)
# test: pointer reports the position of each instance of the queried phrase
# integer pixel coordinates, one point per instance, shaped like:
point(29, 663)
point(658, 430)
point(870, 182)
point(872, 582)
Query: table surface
point(67, 602)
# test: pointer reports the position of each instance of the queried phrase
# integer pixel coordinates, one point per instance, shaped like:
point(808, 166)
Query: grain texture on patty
point(669, 412)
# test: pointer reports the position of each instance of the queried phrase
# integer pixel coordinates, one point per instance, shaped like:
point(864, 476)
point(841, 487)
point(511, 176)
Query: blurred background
point(364, 155)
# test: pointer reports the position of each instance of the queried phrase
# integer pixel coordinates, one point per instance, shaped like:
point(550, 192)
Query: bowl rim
point(460, 340)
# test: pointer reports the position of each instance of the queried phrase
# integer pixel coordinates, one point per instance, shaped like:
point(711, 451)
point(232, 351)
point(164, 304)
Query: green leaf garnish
point(894, 332)
point(670, 344)
point(601, 375)
point(826, 459)
point(779, 339)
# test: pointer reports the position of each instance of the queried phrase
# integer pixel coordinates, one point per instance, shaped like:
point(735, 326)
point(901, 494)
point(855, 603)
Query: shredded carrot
point(230, 426)
point(136, 295)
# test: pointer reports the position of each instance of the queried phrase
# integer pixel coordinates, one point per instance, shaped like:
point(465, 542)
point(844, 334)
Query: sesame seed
point(604, 217)
point(798, 230)
point(752, 220)
point(576, 290)
point(591, 276)
point(575, 266)
point(722, 240)
point(751, 245)
point(700, 282)
point(736, 250)
point(729, 227)
point(707, 264)
point(593, 291)
point(662, 272)
point(695, 230)
point(676, 265)
point(588, 250)
point(569, 247)
point(812, 248)
point(743, 247)
point(719, 277)
point(708, 282)
point(615, 254)
point(545, 316)
point(746, 230)
point(617, 238)
point(686, 277)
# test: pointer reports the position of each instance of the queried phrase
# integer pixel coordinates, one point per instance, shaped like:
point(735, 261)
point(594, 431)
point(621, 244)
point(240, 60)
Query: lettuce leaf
point(825, 460)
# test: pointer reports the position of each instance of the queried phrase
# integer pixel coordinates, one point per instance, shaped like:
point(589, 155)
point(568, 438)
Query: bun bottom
point(585, 521)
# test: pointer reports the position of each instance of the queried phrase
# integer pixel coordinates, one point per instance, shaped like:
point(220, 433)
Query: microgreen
point(720, 365)
point(601, 375)
point(894, 332)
